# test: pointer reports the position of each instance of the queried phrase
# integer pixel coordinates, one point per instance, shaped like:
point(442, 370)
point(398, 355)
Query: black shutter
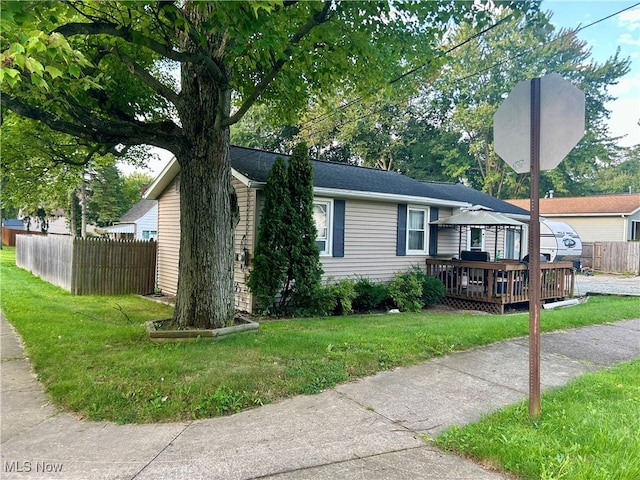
point(338, 228)
point(433, 231)
point(401, 242)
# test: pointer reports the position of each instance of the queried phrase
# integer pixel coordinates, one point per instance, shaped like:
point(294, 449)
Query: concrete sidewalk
point(367, 429)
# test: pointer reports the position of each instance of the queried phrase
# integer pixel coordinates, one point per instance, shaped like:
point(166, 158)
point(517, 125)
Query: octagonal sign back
point(562, 113)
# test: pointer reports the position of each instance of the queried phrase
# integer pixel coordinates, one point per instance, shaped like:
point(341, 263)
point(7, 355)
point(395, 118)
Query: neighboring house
point(13, 224)
point(370, 222)
point(58, 223)
point(599, 218)
point(139, 223)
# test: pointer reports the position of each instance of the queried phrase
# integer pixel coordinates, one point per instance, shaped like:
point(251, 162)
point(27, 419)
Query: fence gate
point(612, 257)
point(597, 256)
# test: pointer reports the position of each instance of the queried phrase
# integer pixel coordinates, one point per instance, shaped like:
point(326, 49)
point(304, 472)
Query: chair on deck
point(477, 256)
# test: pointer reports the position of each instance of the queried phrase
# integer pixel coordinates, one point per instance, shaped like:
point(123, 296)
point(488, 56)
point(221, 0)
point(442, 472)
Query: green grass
point(94, 361)
point(588, 430)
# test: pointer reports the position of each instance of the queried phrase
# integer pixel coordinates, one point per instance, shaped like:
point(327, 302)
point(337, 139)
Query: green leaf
point(75, 71)
point(12, 72)
point(53, 71)
point(16, 47)
point(38, 81)
point(10, 80)
point(33, 66)
point(19, 60)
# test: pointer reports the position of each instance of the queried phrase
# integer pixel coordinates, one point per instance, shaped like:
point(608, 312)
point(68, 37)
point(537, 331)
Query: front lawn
point(93, 356)
point(587, 430)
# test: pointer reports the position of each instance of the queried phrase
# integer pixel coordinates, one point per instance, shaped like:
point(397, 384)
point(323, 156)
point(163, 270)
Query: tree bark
point(205, 296)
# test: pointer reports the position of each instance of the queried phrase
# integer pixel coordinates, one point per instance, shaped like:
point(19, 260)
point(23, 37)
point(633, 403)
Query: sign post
point(540, 121)
point(534, 254)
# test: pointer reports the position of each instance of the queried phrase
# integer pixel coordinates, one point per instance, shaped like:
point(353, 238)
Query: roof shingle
point(598, 205)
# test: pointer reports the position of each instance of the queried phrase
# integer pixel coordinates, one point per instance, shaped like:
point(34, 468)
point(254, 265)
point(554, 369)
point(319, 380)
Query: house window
point(475, 239)
point(149, 235)
point(635, 230)
point(417, 230)
point(322, 218)
point(512, 244)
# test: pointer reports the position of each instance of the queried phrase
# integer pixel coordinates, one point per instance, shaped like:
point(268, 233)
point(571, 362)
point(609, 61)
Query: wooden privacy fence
point(90, 266)
point(612, 257)
point(9, 235)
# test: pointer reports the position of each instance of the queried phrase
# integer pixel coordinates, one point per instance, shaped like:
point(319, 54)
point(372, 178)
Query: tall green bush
point(406, 291)
point(370, 295)
point(305, 269)
point(267, 279)
point(286, 271)
point(432, 288)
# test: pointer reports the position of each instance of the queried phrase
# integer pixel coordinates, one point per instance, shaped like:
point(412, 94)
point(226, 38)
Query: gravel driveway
point(617, 284)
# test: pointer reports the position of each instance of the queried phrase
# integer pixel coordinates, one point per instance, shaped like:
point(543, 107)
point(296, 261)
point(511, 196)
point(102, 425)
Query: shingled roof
point(255, 165)
point(623, 204)
point(138, 210)
point(345, 179)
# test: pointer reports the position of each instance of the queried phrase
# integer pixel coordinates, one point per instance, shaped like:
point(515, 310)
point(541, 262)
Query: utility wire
point(358, 99)
point(413, 70)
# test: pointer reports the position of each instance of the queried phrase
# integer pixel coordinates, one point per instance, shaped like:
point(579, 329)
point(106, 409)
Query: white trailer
point(559, 242)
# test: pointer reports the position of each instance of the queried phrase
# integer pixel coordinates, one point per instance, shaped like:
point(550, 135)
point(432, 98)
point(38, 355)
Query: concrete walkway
point(369, 429)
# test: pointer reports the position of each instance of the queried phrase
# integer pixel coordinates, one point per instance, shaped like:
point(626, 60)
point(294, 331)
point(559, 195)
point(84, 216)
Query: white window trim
point(484, 238)
point(426, 230)
point(328, 251)
point(151, 234)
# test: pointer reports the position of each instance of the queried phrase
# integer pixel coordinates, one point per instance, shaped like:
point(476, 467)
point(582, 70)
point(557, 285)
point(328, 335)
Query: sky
point(620, 31)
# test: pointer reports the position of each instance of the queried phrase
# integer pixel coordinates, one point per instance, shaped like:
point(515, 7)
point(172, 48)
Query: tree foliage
point(101, 71)
point(286, 270)
point(444, 129)
point(474, 83)
point(107, 200)
point(305, 270)
point(268, 276)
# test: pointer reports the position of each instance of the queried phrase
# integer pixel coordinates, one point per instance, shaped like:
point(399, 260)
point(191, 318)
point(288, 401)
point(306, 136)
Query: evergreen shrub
point(370, 295)
point(406, 291)
point(432, 288)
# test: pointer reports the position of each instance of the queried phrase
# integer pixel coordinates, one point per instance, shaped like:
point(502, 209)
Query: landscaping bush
point(343, 294)
point(406, 291)
point(413, 290)
point(334, 298)
point(370, 295)
point(432, 288)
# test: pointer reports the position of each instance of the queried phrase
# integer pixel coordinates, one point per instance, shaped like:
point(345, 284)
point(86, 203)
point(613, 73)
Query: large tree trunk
point(205, 297)
point(208, 206)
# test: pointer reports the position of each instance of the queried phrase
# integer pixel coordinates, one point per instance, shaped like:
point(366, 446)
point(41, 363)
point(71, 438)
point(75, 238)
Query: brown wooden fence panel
point(612, 257)
point(90, 266)
point(9, 235)
point(112, 267)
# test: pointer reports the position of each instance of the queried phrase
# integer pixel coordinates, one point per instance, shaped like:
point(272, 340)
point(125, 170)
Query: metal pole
point(534, 256)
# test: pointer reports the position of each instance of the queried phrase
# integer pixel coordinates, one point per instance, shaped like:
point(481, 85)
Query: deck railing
point(503, 282)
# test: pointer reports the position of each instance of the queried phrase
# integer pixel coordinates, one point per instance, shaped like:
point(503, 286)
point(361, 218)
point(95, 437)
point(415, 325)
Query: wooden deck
point(490, 286)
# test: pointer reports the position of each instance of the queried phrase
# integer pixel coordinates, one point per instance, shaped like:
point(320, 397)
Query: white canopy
point(479, 218)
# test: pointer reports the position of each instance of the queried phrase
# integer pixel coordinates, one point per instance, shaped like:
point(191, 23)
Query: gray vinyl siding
point(369, 243)
point(629, 221)
point(169, 237)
